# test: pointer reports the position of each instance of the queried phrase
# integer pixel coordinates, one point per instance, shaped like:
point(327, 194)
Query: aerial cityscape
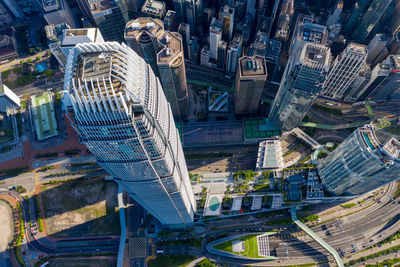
point(199, 133)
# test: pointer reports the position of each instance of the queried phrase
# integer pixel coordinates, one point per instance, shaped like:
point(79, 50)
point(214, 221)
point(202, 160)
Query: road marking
point(36, 178)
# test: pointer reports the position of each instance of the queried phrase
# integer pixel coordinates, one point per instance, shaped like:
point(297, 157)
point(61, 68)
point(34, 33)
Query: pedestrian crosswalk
point(301, 235)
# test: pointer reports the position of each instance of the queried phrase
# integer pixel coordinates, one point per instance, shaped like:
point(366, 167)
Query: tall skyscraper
point(283, 24)
point(360, 6)
point(110, 17)
point(345, 69)
point(24, 8)
point(58, 12)
point(366, 160)
point(141, 35)
point(378, 74)
point(370, 19)
point(215, 37)
point(191, 15)
point(250, 79)
point(171, 21)
point(171, 65)
point(184, 31)
point(226, 15)
point(179, 9)
point(301, 83)
point(335, 16)
point(117, 106)
point(375, 47)
point(234, 53)
point(163, 50)
point(155, 9)
point(389, 86)
point(221, 61)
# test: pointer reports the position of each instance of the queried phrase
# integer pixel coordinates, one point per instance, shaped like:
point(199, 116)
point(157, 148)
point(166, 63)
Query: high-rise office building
point(370, 19)
point(184, 31)
point(234, 53)
point(360, 7)
point(171, 65)
point(163, 51)
point(179, 8)
point(250, 79)
point(215, 37)
point(283, 24)
point(61, 43)
point(301, 83)
point(171, 21)
point(335, 16)
point(221, 61)
point(8, 99)
point(191, 15)
point(141, 35)
point(378, 74)
point(154, 9)
point(307, 31)
point(390, 85)
point(226, 15)
point(344, 70)
point(23, 8)
point(205, 56)
point(366, 160)
point(58, 12)
point(363, 79)
point(5, 17)
point(118, 108)
point(377, 49)
point(110, 17)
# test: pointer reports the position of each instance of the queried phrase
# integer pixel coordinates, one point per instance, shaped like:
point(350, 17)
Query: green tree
point(29, 60)
point(21, 61)
point(49, 73)
point(205, 263)
point(38, 58)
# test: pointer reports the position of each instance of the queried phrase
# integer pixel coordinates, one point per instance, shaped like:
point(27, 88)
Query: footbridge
point(306, 138)
point(314, 236)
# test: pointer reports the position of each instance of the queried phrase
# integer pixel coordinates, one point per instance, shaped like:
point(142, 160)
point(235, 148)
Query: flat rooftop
point(97, 6)
point(357, 48)
point(135, 27)
point(252, 66)
point(172, 48)
point(153, 7)
point(43, 116)
point(50, 5)
point(395, 61)
point(93, 66)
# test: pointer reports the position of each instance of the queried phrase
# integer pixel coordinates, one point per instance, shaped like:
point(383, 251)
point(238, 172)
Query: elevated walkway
point(314, 236)
point(122, 240)
point(306, 138)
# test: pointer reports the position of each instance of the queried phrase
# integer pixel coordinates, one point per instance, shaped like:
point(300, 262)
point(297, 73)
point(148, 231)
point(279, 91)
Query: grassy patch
point(347, 206)
point(170, 260)
point(329, 110)
point(374, 255)
point(250, 246)
point(39, 214)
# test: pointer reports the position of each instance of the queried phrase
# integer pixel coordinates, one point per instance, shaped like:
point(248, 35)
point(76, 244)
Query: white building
point(8, 100)
point(119, 109)
point(215, 37)
point(344, 71)
point(68, 39)
point(269, 155)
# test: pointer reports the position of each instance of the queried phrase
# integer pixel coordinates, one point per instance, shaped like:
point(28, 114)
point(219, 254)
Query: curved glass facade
point(119, 109)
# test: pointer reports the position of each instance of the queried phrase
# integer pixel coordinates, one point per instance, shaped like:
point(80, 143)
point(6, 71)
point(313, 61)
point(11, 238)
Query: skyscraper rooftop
point(172, 47)
point(136, 27)
point(252, 66)
point(97, 6)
